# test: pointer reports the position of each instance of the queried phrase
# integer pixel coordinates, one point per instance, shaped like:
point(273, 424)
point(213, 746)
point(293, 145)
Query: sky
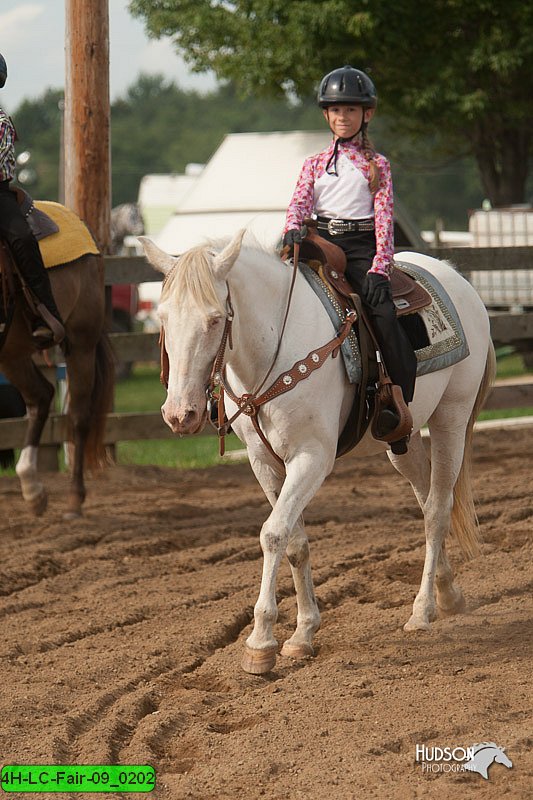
point(32, 40)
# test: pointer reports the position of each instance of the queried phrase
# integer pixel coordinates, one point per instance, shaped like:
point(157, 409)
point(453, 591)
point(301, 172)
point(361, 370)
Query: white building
point(160, 195)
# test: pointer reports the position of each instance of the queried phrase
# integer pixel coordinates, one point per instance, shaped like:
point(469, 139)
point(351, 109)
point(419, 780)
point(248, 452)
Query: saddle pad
point(350, 347)
point(71, 242)
point(445, 333)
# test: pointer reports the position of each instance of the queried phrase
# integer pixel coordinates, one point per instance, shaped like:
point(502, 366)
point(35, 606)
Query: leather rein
point(250, 403)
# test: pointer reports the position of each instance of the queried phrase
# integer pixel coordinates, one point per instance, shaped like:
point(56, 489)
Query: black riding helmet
point(3, 71)
point(347, 85)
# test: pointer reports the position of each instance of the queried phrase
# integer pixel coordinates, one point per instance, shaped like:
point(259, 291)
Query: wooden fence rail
point(506, 328)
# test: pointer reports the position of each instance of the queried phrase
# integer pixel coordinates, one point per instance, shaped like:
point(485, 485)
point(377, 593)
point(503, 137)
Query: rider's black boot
point(33, 272)
point(50, 330)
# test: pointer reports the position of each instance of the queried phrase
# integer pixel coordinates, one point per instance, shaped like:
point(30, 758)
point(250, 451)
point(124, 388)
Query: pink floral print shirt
point(302, 204)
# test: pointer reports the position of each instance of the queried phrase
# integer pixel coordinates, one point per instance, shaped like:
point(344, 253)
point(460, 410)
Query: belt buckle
point(333, 227)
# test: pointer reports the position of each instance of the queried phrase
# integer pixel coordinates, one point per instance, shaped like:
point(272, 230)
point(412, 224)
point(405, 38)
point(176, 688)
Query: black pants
point(14, 229)
point(400, 360)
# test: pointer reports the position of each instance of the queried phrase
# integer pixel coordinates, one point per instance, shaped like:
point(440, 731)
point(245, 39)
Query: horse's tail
point(101, 403)
point(464, 522)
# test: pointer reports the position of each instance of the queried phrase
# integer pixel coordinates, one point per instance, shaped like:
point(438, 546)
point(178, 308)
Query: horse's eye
point(212, 322)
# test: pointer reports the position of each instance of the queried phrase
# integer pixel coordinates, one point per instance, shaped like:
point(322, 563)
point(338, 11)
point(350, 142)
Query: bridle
point(249, 403)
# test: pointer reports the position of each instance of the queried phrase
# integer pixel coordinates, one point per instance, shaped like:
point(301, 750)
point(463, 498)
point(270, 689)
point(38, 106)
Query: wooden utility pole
point(86, 132)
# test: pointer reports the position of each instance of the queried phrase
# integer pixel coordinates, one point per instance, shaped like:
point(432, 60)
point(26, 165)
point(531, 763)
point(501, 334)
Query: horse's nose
point(188, 419)
point(181, 420)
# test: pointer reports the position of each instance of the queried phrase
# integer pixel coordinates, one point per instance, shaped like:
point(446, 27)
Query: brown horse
point(79, 293)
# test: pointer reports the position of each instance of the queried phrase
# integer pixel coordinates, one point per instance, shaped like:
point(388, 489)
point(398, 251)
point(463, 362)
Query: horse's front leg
point(308, 620)
point(37, 393)
point(305, 474)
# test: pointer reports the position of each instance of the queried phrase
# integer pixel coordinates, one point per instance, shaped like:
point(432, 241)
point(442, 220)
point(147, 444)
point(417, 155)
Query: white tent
point(247, 183)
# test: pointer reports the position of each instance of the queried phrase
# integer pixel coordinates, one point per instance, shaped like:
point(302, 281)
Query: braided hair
point(369, 153)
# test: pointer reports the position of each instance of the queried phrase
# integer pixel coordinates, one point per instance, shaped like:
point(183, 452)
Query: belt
point(337, 226)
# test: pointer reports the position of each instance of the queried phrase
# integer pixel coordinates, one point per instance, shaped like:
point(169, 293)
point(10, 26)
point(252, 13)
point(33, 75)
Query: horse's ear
point(223, 262)
point(160, 260)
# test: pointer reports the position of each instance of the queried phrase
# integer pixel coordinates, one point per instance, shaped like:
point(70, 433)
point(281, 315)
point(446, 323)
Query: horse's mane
point(191, 279)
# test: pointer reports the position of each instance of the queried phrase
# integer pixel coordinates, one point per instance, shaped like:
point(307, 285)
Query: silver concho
point(302, 368)
point(287, 380)
point(315, 357)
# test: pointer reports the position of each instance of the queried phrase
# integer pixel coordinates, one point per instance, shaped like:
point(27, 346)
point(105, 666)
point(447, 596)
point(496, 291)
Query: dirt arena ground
point(122, 636)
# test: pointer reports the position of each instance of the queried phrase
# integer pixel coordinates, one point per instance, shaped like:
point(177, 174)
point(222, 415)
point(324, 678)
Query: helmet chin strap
point(340, 140)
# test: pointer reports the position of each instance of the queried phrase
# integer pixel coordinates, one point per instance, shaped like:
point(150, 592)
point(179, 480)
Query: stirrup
point(386, 422)
point(399, 447)
point(50, 325)
point(390, 408)
point(42, 337)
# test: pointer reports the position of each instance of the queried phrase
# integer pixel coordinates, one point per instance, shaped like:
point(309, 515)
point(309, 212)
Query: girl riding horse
point(348, 188)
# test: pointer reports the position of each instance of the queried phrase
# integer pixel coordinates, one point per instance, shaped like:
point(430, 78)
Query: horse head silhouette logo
point(485, 754)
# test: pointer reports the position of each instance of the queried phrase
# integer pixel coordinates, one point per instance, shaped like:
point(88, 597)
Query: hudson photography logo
point(477, 758)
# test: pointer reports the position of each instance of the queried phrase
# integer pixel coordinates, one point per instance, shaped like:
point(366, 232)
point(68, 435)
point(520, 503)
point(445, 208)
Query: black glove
point(294, 236)
point(376, 288)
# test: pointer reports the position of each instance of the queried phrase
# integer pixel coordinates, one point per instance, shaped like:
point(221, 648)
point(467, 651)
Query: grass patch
point(142, 391)
point(187, 453)
point(511, 366)
point(506, 413)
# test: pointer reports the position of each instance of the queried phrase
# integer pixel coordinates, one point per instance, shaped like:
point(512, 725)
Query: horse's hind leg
point(37, 393)
point(450, 598)
point(81, 371)
point(416, 467)
point(447, 450)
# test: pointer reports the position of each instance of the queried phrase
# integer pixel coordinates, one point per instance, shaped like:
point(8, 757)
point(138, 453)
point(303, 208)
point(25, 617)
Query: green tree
point(458, 70)
point(159, 128)
point(38, 124)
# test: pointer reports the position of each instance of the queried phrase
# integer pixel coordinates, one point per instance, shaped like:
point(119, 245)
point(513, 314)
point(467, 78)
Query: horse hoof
point(39, 503)
point(456, 606)
point(291, 650)
point(70, 515)
point(258, 662)
point(417, 624)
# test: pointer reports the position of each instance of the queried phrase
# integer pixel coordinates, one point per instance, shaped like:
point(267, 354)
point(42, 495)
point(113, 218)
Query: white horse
point(303, 425)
